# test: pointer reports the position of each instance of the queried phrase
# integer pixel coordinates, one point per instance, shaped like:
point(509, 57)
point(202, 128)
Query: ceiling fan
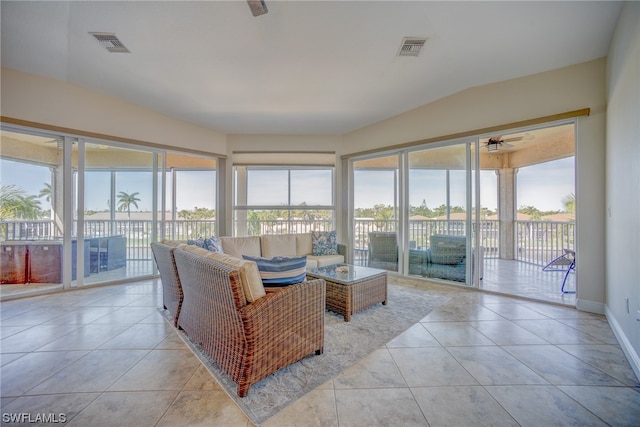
point(496, 142)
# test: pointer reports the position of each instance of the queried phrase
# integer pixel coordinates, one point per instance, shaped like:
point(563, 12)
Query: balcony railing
point(536, 242)
point(295, 226)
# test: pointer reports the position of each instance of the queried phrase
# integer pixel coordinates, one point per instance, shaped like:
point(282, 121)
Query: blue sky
point(543, 186)
point(195, 188)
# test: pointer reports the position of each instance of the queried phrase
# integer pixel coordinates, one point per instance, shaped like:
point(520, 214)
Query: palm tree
point(125, 201)
point(46, 192)
point(569, 202)
point(14, 203)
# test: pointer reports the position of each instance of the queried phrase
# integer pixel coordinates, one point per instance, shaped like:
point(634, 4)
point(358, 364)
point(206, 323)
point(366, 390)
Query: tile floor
point(104, 356)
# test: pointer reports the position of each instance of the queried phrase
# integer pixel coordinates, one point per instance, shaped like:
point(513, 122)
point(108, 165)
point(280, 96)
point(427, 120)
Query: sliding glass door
point(117, 210)
point(31, 210)
point(376, 214)
point(420, 222)
point(441, 189)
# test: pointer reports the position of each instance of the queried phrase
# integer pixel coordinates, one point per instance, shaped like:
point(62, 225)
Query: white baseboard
point(590, 306)
point(627, 348)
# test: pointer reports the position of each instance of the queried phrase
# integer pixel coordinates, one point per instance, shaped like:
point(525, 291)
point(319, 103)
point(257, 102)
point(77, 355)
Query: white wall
point(540, 95)
point(623, 183)
point(53, 102)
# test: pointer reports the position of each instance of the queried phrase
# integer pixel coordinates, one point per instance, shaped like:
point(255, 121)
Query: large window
point(80, 211)
point(277, 200)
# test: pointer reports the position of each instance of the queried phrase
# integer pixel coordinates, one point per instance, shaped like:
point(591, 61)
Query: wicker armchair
point(249, 341)
point(171, 287)
point(383, 250)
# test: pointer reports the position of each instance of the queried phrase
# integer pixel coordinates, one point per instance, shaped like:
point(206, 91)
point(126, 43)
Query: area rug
point(345, 344)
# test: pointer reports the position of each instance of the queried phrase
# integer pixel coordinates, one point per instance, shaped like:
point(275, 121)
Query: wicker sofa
point(288, 245)
point(258, 246)
point(248, 332)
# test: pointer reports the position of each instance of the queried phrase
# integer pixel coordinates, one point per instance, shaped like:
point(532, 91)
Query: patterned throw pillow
point(213, 244)
point(324, 243)
point(199, 242)
point(278, 271)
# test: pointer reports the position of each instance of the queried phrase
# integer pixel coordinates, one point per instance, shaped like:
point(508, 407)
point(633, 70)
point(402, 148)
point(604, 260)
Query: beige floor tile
point(159, 370)
point(62, 407)
point(119, 300)
point(86, 337)
point(453, 311)
point(559, 367)
point(514, 311)
point(172, 342)
point(430, 366)
point(415, 336)
point(94, 372)
point(82, 316)
point(139, 336)
point(202, 380)
point(596, 327)
point(556, 332)
point(542, 406)
point(130, 315)
point(504, 332)
point(456, 334)
point(31, 369)
point(34, 337)
point(37, 315)
point(378, 407)
point(9, 357)
point(203, 408)
point(607, 358)
point(134, 409)
point(461, 406)
point(616, 406)
point(377, 370)
point(494, 366)
point(315, 409)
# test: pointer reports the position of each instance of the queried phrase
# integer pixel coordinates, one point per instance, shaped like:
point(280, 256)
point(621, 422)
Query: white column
point(507, 211)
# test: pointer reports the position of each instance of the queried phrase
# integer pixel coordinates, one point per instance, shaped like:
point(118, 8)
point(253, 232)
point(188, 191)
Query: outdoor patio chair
point(565, 261)
point(383, 250)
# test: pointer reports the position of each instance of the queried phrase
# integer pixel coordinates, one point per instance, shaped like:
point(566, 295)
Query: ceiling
point(305, 67)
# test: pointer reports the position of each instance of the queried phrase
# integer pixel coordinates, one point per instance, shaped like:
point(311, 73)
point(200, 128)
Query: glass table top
point(344, 272)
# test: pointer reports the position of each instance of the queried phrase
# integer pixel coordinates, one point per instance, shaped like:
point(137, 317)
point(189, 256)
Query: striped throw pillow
point(278, 271)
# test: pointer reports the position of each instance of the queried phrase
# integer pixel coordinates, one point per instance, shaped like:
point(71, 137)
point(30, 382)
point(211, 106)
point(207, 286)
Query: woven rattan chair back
point(171, 287)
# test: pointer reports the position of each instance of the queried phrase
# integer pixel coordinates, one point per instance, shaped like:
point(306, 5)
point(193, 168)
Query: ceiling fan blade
point(514, 139)
point(258, 7)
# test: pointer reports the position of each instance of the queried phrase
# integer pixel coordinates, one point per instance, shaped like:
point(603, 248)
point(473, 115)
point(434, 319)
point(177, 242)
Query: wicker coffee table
point(351, 291)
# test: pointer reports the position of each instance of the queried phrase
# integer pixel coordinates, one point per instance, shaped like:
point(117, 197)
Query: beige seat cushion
point(278, 245)
point(238, 246)
point(323, 260)
point(304, 244)
point(249, 274)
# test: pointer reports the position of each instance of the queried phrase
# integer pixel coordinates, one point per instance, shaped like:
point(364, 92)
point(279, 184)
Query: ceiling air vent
point(110, 42)
point(411, 46)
